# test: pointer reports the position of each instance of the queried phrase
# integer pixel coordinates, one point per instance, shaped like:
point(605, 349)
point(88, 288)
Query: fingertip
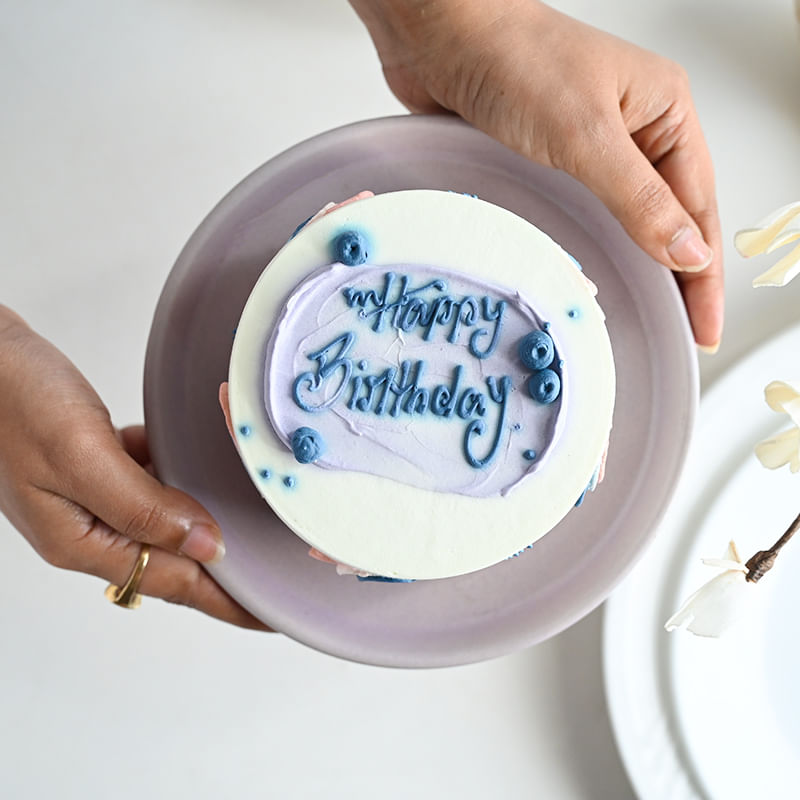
point(710, 349)
point(203, 543)
point(688, 251)
point(224, 403)
point(703, 295)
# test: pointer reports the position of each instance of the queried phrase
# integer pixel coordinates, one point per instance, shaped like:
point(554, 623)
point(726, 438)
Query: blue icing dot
point(289, 482)
point(516, 427)
point(520, 552)
point(265, 474)
point(245, 430)
point(363, 364)
point(350, 248)
point(546, 326)
point(529, 455)
point(544, 386)
point(307, 445)
point(576, 262)
point(574, 313)
point(536, 350)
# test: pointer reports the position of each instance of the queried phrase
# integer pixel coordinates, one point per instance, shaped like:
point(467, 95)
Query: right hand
point(618, 118)
point(80, 491)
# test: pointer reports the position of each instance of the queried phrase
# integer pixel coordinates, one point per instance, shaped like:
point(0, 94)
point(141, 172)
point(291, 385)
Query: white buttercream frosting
point(390, 519)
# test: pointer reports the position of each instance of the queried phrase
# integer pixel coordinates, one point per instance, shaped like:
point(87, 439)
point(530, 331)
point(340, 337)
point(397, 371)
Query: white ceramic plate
point(715, 718)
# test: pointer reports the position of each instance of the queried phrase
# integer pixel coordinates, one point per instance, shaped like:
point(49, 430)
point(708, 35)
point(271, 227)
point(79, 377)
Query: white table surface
point(122, 124)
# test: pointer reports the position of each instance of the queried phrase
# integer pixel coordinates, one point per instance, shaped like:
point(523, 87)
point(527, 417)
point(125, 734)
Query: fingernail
point(202, 545)
point(709, 349)
point(688, 250)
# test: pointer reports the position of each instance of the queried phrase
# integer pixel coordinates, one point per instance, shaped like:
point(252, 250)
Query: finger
point(639, 197)
point(679, 227)
point(134, 440)
point(225, 405)
point(689, 171)
point(110, 484)
point(702, 295)
point(177, 580)
point(80, 542)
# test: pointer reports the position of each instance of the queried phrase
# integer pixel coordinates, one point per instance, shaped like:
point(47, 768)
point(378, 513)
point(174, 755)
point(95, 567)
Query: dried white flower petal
point(769, 233)
point(718, 604)
point(725, 563)
point(781, 273)
point(783, 397)
point(778, 229)
point(779, 450)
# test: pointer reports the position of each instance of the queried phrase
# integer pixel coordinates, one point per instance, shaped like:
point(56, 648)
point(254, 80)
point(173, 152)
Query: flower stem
point(763, 561)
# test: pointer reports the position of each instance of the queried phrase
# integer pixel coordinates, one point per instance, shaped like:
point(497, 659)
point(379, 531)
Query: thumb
point(111, 485)
point(636, 194)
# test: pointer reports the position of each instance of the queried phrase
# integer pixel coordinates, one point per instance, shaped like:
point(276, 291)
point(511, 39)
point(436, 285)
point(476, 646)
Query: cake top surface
point(421, 384)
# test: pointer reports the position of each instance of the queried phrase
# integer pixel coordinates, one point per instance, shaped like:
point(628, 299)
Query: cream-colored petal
point(725, 563)
point(714, 607)
point(779, 394)
point(755, 240)
point(730, 560)
point(789, 233)
point(781, 449)
point(792, 408)
point(781, 273)
point(732, 553)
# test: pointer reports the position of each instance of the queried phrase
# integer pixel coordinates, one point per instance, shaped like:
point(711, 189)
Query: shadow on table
point(759, 47)
point(581, 729)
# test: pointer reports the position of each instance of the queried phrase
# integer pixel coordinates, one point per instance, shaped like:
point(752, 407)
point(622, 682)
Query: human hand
point(619, 119)
point(80, 492)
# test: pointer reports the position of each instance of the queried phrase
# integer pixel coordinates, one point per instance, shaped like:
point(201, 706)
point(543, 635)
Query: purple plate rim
point(323, 639)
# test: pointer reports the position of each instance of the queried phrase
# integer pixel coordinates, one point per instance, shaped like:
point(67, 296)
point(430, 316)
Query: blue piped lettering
point(499, 394)
point(325, 368)
point(405, 309)
point(495, 316)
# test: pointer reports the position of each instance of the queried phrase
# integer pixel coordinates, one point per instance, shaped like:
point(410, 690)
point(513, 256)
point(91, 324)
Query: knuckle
point(144, 521)
point(649, 201)
point(72, 445)
point(55, 554)
point(678, 76)
point(584, 136)
point(70, 451)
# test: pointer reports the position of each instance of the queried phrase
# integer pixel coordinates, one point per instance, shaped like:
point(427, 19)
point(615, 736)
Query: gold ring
point(127, 595)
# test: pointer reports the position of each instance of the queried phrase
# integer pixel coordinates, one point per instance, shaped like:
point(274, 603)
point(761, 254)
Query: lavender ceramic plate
point(432, 623)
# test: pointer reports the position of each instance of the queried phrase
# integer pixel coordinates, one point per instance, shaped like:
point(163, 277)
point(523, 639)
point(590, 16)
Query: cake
point(421, 384)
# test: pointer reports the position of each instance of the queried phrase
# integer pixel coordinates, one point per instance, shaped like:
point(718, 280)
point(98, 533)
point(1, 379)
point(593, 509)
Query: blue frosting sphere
point(350, 248)
point(307, 445)
point(544, 386)
point(536, 350)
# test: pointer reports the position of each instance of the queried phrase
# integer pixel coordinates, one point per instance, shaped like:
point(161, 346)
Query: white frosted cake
point(421, 384)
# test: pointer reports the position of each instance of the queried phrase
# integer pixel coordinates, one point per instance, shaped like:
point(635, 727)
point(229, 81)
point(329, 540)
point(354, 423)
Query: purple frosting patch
point(412, 373)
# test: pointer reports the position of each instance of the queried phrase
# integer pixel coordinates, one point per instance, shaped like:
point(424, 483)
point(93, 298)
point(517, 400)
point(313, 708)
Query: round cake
point(421, 384)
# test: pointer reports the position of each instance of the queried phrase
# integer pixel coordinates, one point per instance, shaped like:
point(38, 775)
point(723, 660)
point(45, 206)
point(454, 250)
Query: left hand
point(82, 492)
